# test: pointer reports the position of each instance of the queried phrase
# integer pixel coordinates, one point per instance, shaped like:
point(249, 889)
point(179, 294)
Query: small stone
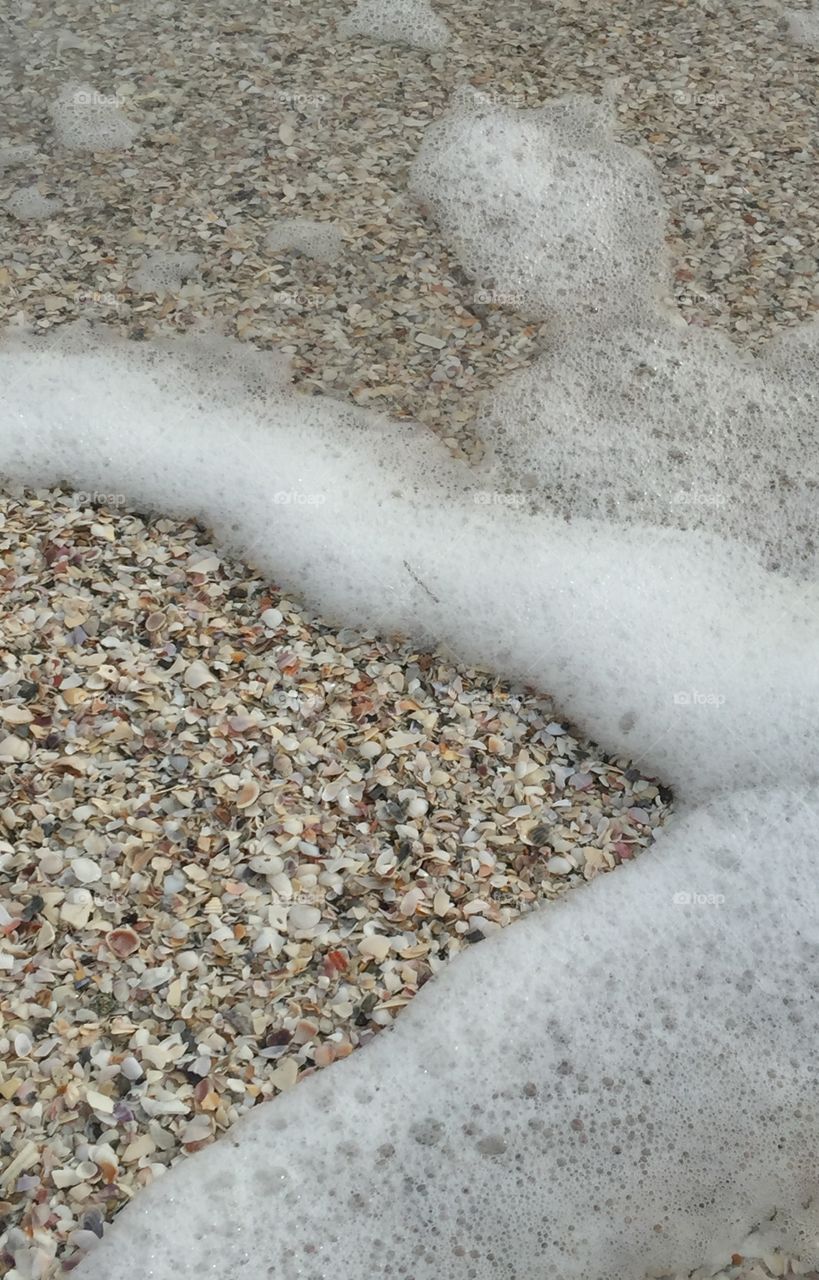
point(429, 340)
point(559, 866)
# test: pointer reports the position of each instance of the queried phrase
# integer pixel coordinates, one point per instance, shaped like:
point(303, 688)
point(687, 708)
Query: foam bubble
point(164, 272)
point(86, 120)
point(320, 240)
point(28, 204)
point(12, 155)
point(803, 26)
point(631, 415)
point(546, 205)
point(412, 22)
point(624, 1082)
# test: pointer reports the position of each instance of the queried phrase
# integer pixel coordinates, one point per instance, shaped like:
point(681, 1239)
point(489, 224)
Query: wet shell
point(247, 794)
point(122, 942)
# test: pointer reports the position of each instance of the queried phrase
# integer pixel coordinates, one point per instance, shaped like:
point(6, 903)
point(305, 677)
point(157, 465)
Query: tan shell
point(123, 942)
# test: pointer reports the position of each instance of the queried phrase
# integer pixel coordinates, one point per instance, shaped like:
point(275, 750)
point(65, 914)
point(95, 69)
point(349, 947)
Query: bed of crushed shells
point(233, 844)
point(234, 841)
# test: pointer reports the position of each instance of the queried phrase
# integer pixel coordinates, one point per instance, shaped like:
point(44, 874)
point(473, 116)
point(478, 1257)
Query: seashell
point(122, 942)
point(247, 794)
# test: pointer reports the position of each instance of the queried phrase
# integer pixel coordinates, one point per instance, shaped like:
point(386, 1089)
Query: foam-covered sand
point(623, 1084)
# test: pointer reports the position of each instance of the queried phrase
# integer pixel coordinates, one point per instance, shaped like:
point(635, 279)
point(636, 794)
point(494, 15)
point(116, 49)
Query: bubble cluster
point(803, 26)
point(164, 272)
point(87, 120)
point(631, 416)
point(412, 22)
point(28, 204)
point(320, 240)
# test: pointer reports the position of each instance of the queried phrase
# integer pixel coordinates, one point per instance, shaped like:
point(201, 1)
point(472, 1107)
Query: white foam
point(28, 204)
point(87, 120)
point(320, 240)
point(632, 415)
point(412, 22)
point(803, 26)
point(624, 1082)
point(164, 272)
point(546, 205)
point(12, 155)
point(678, 647)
